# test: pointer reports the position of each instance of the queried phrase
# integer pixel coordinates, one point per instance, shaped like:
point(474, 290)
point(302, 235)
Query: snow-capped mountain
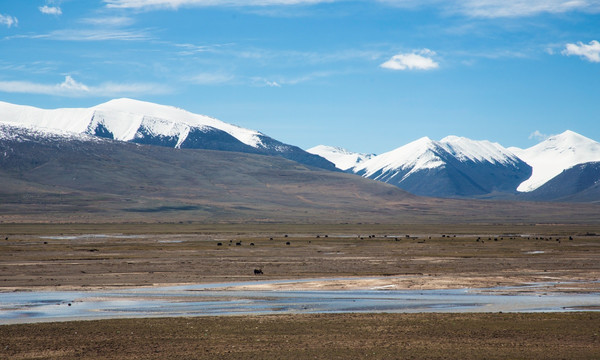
point(148, 123)
point(580, 183)
point(555, 154)
point(342, 159)
point(453, 166)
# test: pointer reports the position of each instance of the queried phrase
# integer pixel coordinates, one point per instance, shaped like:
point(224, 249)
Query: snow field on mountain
point(555, 154)
point(342, 158)
point(123, 118)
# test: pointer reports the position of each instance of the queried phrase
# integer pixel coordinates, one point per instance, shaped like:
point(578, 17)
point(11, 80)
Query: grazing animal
point(287, 243)
point(258, 272)
point(238, 243)
point(219, 244)
point(251, 244)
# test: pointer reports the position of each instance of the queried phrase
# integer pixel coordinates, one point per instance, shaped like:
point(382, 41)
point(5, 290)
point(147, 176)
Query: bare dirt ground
point(38, 257)
point(339, 336)
point(485, 257)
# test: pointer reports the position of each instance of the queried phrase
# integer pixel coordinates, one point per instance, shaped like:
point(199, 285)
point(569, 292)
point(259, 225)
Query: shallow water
point(215, 299)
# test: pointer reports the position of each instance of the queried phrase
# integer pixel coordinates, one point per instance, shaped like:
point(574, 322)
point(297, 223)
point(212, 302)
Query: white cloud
point(502, 8)
point(174, 4)
point(50, 10)
point(259, 81)
point(418, 60)
point(72, 88)
point(537, 135)
point(8, 20)
point(71, 85)
point(589, 52)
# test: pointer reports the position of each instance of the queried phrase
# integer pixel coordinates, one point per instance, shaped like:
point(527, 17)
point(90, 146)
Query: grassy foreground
point(338, 336)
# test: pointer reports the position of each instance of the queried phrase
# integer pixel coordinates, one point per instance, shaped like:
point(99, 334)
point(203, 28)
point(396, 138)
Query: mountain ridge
point(153, 124)
point(453, 166)
point(74, 180)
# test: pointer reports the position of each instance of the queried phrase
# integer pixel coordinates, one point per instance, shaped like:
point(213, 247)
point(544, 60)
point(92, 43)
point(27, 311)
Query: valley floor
point(63, 256)
point(422, 257)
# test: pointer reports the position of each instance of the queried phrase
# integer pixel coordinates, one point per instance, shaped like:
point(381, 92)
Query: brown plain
point(79, 256)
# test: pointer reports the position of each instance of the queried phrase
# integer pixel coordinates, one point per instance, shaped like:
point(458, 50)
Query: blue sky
point(365, 75)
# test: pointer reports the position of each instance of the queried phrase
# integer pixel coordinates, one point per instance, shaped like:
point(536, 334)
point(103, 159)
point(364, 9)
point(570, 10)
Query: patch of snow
point(424, 154)
point(21, 133)
point(135, 109)
point(554, 155)
point(340, 157)
point(466, 149)
point(67, 120)
point(123, 118)
point(417, 155)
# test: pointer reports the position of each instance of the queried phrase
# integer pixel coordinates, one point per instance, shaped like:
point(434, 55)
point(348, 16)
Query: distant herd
point(259, 271)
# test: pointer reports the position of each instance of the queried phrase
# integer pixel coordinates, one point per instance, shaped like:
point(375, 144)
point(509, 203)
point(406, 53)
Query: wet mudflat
point(220, 299)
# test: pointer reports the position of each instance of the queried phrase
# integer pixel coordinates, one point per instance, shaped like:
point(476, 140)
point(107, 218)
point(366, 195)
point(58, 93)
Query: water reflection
point(215, 299)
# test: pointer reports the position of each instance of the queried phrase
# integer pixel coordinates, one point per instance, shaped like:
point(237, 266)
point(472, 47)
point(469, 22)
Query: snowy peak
point(425, 153)
point(121, 119)
point(52, 121)
point(465, 149)
point(167, 120)
point(555, 154)
point(152, 124)
point(453, 166)
point(340, 157)
point(419, 154)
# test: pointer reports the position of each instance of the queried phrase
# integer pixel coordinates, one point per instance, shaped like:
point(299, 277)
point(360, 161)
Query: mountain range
point(74, 178)
point(461, 167)
point(561, 168)
point(152, 124)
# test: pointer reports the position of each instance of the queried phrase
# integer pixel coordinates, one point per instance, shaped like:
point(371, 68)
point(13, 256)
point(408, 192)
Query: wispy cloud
point(98, 34)
point(8, 20)
point(111, 21)
point(72, 88)
point(502, 8)
point(210, 78)
point(590, 52)
point(175, 4)
point(191, 49)
point(260, 81)
point(417, 60)
point(36, 67)
point(50, 10)
point(537, 135)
